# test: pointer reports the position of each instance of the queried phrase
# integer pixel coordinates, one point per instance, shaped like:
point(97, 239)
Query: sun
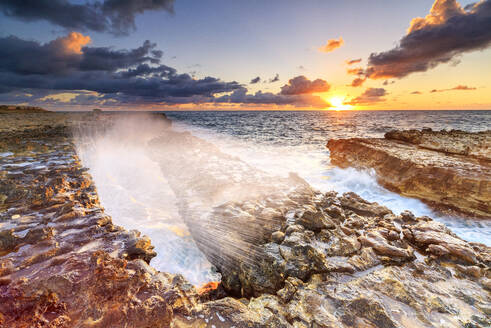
point(337, 103)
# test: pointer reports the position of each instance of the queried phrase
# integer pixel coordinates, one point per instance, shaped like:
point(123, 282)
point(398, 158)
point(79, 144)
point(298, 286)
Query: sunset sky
point(222, 54)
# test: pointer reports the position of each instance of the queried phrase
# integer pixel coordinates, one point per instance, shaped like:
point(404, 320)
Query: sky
point(245, 55)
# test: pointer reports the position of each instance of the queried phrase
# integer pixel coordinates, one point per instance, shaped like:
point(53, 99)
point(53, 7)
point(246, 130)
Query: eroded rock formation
point(290, 256)
point(315, 259)
point(62, 261)
point(448, 170)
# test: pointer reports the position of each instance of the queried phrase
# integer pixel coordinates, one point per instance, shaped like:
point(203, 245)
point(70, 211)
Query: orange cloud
point(358, 82)
point(440, 12)
point(332, 45)
point(301, 85)
point(459, 87)
point(445, 33)
point(370, 96)
point(355, 71)
point(73, 42)
point(353, 61)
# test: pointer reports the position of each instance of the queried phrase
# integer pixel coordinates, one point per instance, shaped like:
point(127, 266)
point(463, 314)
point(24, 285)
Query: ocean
point(135, 194)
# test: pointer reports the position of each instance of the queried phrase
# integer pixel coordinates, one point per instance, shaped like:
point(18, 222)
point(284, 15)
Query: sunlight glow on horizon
point(338, 103)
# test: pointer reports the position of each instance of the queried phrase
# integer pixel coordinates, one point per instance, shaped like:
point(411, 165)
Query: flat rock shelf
point(449, 170)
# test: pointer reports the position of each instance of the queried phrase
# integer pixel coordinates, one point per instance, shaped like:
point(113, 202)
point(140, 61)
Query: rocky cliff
point(449, 170)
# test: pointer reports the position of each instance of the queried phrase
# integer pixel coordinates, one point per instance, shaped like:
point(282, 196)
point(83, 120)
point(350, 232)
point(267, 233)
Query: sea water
point(137, 196)
point(295, 141)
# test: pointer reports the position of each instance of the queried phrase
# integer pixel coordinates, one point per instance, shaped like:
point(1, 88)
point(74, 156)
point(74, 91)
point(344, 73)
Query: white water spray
point(314, 166)
point(134, 192)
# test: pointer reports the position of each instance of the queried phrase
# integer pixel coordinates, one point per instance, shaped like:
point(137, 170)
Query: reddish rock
point(449, 170)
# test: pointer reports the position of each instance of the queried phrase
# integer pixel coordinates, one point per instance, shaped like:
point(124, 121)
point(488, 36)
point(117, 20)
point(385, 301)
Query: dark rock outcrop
point(449, 170)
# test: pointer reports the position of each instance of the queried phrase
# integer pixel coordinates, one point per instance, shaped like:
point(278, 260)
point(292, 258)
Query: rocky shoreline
point(308, 259)
point(62, 261)
point(449, 170)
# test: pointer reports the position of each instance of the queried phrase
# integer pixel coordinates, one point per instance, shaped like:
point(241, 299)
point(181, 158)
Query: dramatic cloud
point(448, 31)
point(67, 71)
point(332, 45)
point(240, 96)
point(297, 92)
point(255, 80)
point(73, 43)
point(459, 87)
point(370, 96)
point(115, 16)
point(123, 75)
point(353, 61)
point(416, 92)
point(301, 85)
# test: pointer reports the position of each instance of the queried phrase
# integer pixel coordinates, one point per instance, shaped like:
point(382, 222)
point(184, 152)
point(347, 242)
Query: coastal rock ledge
point(315, 259)
point(449, 170)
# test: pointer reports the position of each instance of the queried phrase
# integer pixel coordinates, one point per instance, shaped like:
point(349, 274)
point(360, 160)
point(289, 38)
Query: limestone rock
point(437, 167)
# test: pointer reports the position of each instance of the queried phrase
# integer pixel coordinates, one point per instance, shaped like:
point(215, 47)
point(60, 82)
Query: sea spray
point(311, 162)
point(230, 207)
point(137, 195)
point(133, 191)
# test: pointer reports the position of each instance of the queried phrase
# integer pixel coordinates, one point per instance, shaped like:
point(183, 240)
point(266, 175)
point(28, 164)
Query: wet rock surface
point(318, 259)
point(449, 170)
point(62, 261)
point(290, 256)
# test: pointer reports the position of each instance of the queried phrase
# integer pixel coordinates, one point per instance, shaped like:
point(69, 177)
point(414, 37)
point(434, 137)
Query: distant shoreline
point(34, 109)
point(6, 109)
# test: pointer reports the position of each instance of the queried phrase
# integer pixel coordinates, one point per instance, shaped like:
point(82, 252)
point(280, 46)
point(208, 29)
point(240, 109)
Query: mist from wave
point(134, 193)
point(283, 142)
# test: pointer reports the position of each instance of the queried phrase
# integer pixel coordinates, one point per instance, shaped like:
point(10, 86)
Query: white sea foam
point(137, 196)
point(313, 164)
point(133, 191)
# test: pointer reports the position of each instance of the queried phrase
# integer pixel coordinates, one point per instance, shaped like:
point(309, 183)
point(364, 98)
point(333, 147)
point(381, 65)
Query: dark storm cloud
point(240, 96)
point(370, 96)
point(115, 16)
point(301, 85)
point(448, 31)
point(29, 57)
point(63, 64)
point(31, 72)
point(106, 59)
point(459, 87)
point(147, 70)
point(298, 93)
point(59, 57)
point(155, 87)
point(255, 80)
point(276, 78)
